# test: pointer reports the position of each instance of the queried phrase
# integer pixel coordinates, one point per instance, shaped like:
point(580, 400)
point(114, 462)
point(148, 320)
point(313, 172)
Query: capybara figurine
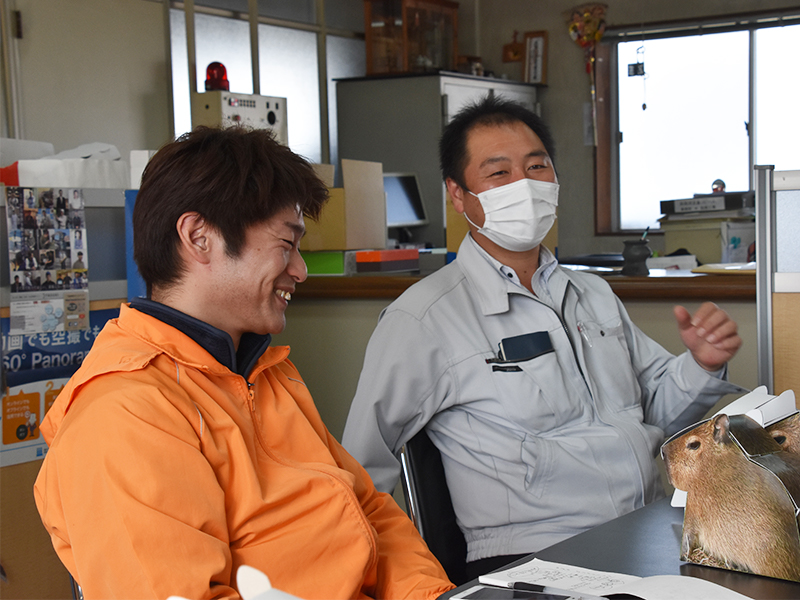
point(738, 513)
point(787, 433)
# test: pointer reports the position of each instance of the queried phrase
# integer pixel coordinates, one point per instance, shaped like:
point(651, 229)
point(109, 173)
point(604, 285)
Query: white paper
point(557, 575)
point(677, 587)
point(602, 583)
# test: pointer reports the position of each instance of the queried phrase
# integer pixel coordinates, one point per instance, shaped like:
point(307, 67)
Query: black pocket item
point(525, 347)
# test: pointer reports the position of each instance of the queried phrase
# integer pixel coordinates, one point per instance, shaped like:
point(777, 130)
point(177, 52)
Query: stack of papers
point(543, 579)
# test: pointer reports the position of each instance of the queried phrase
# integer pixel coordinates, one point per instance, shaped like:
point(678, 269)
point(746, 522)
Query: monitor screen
point(404, 206)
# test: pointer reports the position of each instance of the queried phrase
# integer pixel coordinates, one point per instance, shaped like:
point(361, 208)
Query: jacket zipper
point(569, 337)
point(252, 395)
point(347, 489)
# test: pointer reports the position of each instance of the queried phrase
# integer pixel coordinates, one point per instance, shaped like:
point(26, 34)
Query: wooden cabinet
point(411, 36)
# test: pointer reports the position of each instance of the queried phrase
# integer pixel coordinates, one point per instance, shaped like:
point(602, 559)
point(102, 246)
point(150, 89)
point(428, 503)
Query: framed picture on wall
point(535, 63)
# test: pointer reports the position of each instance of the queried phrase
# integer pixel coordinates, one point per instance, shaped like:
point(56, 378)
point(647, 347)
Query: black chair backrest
point(428, 500)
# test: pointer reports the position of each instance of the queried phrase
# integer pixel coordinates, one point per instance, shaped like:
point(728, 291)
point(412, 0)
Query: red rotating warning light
point(217, 77)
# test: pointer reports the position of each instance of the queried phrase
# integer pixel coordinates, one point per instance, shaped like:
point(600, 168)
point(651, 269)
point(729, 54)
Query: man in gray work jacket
point(554, 431)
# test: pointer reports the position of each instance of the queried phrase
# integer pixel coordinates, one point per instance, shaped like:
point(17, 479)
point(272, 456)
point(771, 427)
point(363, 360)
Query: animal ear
point(721, 426)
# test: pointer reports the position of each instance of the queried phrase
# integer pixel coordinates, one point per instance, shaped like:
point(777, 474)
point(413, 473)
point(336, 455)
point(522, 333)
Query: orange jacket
point(166, 471)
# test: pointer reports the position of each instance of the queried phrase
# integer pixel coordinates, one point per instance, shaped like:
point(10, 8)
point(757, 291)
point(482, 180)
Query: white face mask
point(518, 214)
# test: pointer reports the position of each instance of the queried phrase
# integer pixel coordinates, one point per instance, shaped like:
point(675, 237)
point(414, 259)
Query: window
point(288, 59)
point(715, 100)
point(288, 68)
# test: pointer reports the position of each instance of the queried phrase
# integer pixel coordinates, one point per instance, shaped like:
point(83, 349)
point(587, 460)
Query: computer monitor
point(404, 205)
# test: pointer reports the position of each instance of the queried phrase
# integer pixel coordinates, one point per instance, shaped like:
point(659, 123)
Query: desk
point(646, 542)
point(690, 287)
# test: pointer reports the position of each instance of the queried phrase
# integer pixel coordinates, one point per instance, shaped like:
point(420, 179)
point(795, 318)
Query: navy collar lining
point(216, 342)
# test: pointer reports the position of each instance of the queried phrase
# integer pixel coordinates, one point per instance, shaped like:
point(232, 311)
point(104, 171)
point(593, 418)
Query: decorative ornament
point(587, 23)
point(513, 52)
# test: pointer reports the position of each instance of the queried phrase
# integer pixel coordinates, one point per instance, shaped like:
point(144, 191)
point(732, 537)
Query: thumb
point(683, 317)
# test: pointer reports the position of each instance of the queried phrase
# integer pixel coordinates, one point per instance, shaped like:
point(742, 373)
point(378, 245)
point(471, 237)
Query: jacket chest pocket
point(536, 394)
point(608, 359)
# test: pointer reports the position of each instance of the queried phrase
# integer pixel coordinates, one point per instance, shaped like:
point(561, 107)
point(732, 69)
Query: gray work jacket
point(534, 451)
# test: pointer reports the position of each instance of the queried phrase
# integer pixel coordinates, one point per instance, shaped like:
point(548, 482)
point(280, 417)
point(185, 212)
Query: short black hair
point(234, 177)
point(489, 110)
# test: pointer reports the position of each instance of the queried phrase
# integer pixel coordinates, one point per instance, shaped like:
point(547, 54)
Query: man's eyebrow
point(497, 159)
point(296, 227)
point(494, 160)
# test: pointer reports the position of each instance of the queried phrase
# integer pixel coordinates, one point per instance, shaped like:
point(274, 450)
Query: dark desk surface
point(647, 542)
point(741, 287)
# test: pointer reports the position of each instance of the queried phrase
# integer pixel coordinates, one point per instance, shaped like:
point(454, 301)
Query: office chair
point(430, 506)
point(77, 592)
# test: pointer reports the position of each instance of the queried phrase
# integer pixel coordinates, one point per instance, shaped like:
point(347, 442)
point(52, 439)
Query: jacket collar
point(492, 288)
point(131, 341)
point(216, 342)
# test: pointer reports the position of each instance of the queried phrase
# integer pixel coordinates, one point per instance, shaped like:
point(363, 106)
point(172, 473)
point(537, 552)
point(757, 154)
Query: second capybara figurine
point(787, 433)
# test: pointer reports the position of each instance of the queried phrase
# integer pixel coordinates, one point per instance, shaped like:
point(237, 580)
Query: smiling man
point(546, 402)
point(186, 446)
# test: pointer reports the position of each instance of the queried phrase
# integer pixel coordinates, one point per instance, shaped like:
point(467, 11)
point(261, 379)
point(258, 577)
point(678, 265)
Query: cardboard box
point(738, 241)
point(741, 475)
point(707, 239)
point(355, 216)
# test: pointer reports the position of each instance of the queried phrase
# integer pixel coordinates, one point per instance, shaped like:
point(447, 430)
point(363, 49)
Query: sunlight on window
point(777, 97)
point(227, 41)
point(288, 61)
point(181, 101)
point(693, 129)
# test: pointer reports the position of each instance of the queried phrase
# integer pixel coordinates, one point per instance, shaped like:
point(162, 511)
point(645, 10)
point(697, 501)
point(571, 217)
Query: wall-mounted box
point(225, 109)
point(355, 216)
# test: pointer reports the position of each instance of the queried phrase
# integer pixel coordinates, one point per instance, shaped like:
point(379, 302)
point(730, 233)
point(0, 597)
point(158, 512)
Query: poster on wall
point(24, 407)
point(36, 367)
point(48, 260)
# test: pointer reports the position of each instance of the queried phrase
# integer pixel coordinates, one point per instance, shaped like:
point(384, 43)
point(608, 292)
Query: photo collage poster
point(48, 260)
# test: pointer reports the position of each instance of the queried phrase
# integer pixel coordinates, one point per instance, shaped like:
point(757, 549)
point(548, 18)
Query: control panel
point(222, 108)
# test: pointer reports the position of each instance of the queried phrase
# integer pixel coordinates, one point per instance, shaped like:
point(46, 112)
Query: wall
point(328, 339)
point(568, 86)
point(94, 71)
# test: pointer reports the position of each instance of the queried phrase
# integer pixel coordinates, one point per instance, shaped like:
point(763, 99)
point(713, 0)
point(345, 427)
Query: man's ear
point(196, 237)
point(456, 194)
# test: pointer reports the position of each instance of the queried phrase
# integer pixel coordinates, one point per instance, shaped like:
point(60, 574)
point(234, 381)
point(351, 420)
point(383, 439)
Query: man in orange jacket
point(186, 446)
